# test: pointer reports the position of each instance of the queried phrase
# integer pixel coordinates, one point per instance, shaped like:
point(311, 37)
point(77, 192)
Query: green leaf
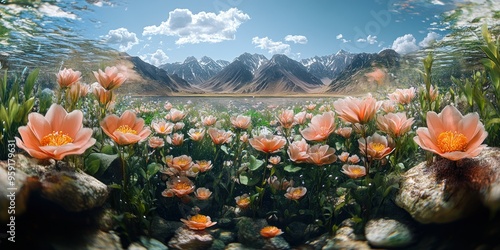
point(255, 163)
point(292, 169)
point(247, 179)
point(104, 161)
point(30, 83)
point(115, 186)
point(153, 168)
point(492, 122)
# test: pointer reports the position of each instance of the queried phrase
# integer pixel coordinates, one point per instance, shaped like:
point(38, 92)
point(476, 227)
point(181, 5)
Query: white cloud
point(122, 37)
point(431, 38)
point(157, 58)
point(296, 39)
point(339, 36)
point(437, 2)
point(369, 39)
point(271, 46)
point(200, 27)
point(54, 11)
point(405, 44)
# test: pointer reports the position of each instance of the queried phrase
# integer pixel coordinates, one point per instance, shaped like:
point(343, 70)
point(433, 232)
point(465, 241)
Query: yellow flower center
point(356, 171)
point(451, 141)
point(378, 147)
point(126, 130)
point(199, 218)
point(56, 138)
point(243, 202)
point(182, 186)
point(297, 192)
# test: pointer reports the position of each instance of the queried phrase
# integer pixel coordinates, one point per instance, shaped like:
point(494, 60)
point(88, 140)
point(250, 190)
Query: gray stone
point(163, 230)
point(448, 191)
point(388, 233)
point(239, 246)
point(346, 238)
point(276, 243)
point(188, 239)
point(227, 237)
point(92, 241)
point(248, 232)
point(218, 245)
point(61, 183)
point(18, 184)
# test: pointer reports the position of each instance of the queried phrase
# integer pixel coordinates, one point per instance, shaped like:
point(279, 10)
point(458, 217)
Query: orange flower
point(270, 232)
point(286, 118)
point(353, 159)
point(295, 193)
point(395, 124)
point(126, 129)
point(203, 165)
point(198, 222)
point(175, 115)
point(403, 96)
point(377, 145)
point(219, 136)
point(300, 118)
point(388, 106)
point(104, 97)
point(377, 75)
point(241, 121)
point(433, 93)
point(355, 110)
point(298, 151)
point(176, 139)
point(163, 127)
point(179, 186)
point(202, 193)
point(110, 78)
point(168, 106)
point(181, 163)
point(242, 201)
point(267, 143)
point(196, 134)
point(209, 120)
point(320, 128)
point(451, 135)
point(353, 171)
point(344, 132)
point(321, 155)
point(55, 135)
point(68, 77)
point(344, 156)
point(156, 142)
point(279, 185)
point(274, 159)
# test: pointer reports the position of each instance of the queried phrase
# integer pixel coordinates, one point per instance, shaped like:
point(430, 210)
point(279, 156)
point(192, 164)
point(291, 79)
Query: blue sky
point(166, 31)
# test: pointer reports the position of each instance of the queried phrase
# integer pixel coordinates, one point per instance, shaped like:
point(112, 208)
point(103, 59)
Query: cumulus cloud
point(405, 44)
point(296, 39)
point(54, 11)
point(271, 46)
point(122, 37)
point(157, 58)
point(369, 39)
point(201, 27)
point(431, 38)
point(339, 36)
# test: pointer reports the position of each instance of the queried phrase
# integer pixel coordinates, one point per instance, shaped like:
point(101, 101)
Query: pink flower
point(321, 155)
point(196, 134)
point(375, 146)
point(110, 78)
point(241, 121)
point(175, 115)
point(344, 156)
point(298, 151)
point(267, 143)
point(320, 128)
point(275, 160)
point(55, 135)
point(176, 139)
point(353, 171)
point(156, 142)
point(286, 118)
point(198, 222)
point(355, 110)
point(202, 193)
point(295, 193)
point(403, 96)
point(181, 163)
point(395, 124)
point(300, 118)
point(344, 132)
point(68, 77)
point(162, 127)
point(219, 136)
point(126, 129)
point(451, 135)
point(209, 120)
point(203, 165)
point(179, 186)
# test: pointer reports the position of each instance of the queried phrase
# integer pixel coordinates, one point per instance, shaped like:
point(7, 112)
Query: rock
point(60, 183)
point(239, 246)
point(147, 244)
point(346, 238)
point(448, 191)
point(218, 245)
point(188, 239)
point(388, 233)
point(14, 192)
point(490, 196)
point(163, 230)
point(93, 240)
point(276, 243)
point(248, 232)
point(227, 237)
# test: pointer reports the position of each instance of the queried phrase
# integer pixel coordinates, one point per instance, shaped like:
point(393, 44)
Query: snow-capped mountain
point(328, 67)
point(195, 71)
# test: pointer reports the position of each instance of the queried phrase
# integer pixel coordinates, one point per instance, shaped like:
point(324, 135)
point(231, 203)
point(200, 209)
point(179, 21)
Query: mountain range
point(255, 74)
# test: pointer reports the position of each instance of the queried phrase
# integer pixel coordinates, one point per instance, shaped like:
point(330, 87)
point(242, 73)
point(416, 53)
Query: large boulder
point(447, 191)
